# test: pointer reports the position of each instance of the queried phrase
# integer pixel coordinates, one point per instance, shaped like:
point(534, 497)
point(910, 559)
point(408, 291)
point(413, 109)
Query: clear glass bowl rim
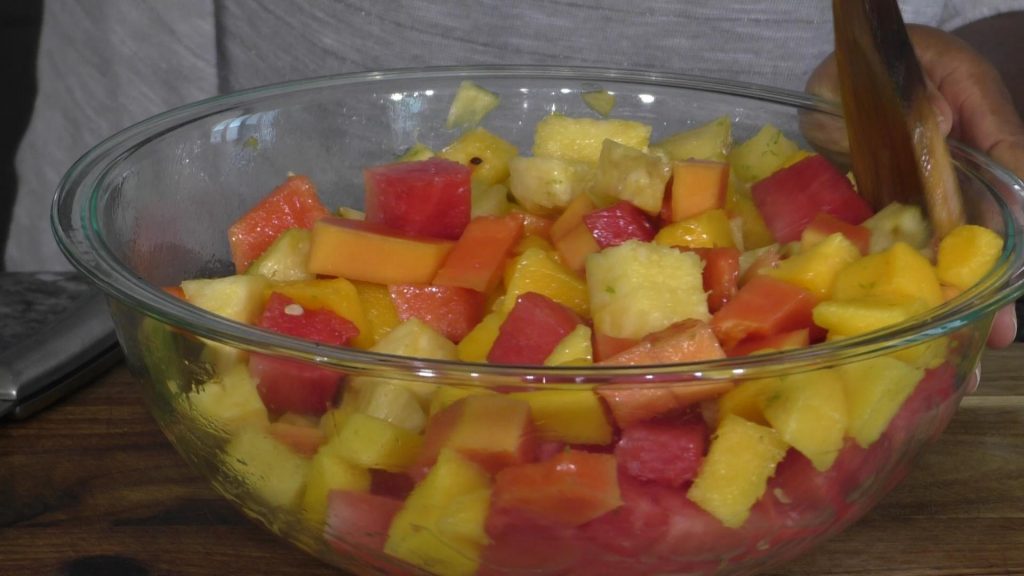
point(74, 224)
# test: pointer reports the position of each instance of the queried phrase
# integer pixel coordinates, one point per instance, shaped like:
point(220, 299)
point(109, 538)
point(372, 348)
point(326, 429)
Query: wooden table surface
point(92, 487)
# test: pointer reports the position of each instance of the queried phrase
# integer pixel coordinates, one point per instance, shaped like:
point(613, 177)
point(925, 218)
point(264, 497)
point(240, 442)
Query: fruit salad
point(597, 247)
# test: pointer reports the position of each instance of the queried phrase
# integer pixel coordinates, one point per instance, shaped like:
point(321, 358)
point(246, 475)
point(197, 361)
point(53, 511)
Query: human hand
point(972, 103)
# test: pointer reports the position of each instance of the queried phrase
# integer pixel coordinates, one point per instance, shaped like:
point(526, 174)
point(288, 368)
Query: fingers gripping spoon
point(898, 151)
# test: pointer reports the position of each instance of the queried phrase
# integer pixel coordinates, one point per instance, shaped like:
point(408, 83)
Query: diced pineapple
point(448, 395)
point(389, 401)
point(626, 173)
point(537, 271)
point(443, 499)
point(708, 229)
point(378, 308)
point(335, 294)
point(711, 141)
point(816, 267)
point(898, 273)
point(638, 288)
point(747, 399)
point(764, 153)
point(238, 297)
point(416, 152)
point(808, 410)
point(475, 345)
point(351, 213)
point(861, 315)
point(230, 400)
point(370, 442)
point(600, 101)
point(570, 416)
point(966, 254)
point(334, 419)
point(735, 472)
point(875, 389)
point(285, 259)
point(580, 139)
point(546, 185)
point(413, 338)
point(328, 472)
point(486, 154)
point(470, 105)
point(897, 223)
point(267, 467)
point(488, 199)
point(576, 349)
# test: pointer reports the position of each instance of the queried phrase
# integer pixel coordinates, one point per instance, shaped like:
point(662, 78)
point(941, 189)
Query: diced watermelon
point(357, 522)
point(790, 198)
point(287, 385)
point(618, 223)
point(721, 274)
point(522, 545)
point(425, 198)
point(930, 405)
point(293, 204)
point(634, 527)
point(532, 329)
point(764, 307)
point(451, 310)
point(668, 451)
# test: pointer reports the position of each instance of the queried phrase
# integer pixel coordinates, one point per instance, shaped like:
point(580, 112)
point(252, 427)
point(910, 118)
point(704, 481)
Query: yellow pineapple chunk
point(486, 154)
point(370, 442)
point(747, 399)
point(416, 152)
point(238, 297)
point(898, 273)
point(808, 410)
point(378, 308)
point(626, 173)
point(267, 467)
point(328, 472)
point(734, 474)
point(448, 395)
point(761, 155)
point(334, 419)
point(488, 199)
point(440, 527)
point(576, 349)
point(390, 401)
point(413, 338)
point(857, 316)
point(875, 389)
point(898, 223)
point(709, 229)
point(711, 141)
point(285, 259)
point(600, 101)
point(580, 139)
point(637, 288)
point(537, 271)
point(337, 295)
point(570, 416)
point(815, 268)
point(230, 400)
point(966, 254)
point(470, 105)
point(545, 185)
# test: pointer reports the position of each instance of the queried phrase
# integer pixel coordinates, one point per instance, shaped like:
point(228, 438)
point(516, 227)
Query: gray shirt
point(105, 65)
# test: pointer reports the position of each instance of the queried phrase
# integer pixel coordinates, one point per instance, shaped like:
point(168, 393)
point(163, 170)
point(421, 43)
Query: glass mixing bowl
point(150, 207)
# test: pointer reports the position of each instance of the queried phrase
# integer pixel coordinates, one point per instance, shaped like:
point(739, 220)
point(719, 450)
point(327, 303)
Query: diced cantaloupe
point(637, 288)
point(809, 412)
point(735, 472)
point(580, 139)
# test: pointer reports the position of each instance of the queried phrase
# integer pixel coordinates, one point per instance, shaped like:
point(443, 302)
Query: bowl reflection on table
point(150, 206)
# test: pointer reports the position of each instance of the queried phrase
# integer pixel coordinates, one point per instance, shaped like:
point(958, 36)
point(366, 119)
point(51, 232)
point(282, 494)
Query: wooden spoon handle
point(897, 149)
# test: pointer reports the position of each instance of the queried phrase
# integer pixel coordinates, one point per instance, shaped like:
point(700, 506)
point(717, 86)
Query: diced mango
point(858, 316)
point(337, 295)
point(416, 534)
point(727, 484)
point(580, 139)
point(637, 288)
point(475, 345)
point(329, 472)
point(487, 154)
point(267, 467)
point(898, 273)
point(709, 229)
point(710, 141)
point(570, 416)
point(378, 308)
point(966, 254)
point(747, 400)
point(761, 155)
point(875, 389)
point(370, 442)
point(627, 173)
point(815, 268)
point(754, 231)
point(576, 349)
point(536, 271)
point(448, 395)
point(808, 410)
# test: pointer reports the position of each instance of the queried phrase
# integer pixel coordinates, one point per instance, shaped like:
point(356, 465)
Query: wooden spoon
point(897, 150)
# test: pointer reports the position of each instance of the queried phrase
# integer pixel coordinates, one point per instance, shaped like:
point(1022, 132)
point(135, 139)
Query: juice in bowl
point(534, 320)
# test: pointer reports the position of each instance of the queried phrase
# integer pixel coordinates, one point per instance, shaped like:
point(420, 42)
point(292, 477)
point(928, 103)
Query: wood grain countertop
point(91, 487)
